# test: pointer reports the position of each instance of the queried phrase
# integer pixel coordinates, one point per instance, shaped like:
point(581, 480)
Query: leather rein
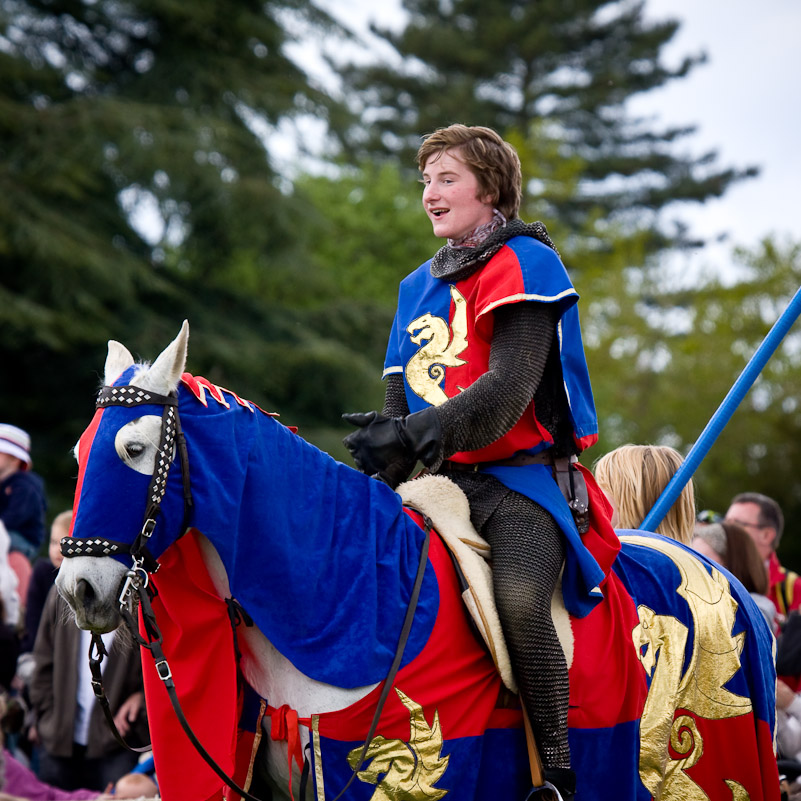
point(135, 585)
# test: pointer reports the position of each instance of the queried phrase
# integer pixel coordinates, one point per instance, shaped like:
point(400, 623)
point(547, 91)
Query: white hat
point(15, 441)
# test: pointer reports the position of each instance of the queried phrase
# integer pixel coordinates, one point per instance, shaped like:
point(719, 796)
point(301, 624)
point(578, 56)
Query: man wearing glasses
point(762, 518)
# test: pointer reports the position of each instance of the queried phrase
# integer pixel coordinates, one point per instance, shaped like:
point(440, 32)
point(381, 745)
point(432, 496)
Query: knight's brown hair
point(633, 477)
point(494, 162)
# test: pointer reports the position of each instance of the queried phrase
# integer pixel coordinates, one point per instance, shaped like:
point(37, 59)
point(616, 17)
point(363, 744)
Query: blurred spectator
point(9, 648)
point(634, 476)
point(22, 784)
point(22, 502)
point(43, 576)
point(788, 722)
point(706, 517)
point(17, 782)
point(9, 615)
point(9, 583)
point(22, 495)
point(134, 785)
point(763, 520)
point(729, 545)
point(77, 748)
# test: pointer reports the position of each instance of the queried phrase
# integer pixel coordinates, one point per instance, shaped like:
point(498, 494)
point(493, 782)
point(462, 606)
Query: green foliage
point(368, 230)
point(664, 354)
point(108, 108)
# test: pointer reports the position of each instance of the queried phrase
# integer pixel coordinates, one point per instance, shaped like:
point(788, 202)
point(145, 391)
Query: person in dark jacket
point(77, 746)
point(43, 577)
point(22, 492)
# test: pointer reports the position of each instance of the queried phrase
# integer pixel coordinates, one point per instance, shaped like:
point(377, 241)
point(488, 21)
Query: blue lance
point(721, 417)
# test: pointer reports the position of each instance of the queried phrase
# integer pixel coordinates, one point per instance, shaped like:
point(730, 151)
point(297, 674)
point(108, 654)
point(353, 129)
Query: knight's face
point(451, 196)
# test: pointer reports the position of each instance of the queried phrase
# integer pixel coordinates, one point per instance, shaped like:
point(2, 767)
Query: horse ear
point(119, 359)
point(165, 373)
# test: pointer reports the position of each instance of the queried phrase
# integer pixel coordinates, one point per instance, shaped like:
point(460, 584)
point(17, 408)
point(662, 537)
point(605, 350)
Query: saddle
point(448, 508)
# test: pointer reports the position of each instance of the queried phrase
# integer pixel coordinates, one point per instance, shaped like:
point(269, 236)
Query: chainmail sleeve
point(488, 408)
point(395, 404)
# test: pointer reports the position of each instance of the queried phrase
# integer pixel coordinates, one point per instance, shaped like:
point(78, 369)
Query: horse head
point(122, 456)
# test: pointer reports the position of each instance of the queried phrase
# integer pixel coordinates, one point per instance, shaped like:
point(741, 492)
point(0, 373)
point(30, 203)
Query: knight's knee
point(521, 599)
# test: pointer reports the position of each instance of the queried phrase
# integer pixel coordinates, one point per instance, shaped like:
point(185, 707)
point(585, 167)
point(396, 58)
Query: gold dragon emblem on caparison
point(700, 689)
point(440, 347)
point(410, 769)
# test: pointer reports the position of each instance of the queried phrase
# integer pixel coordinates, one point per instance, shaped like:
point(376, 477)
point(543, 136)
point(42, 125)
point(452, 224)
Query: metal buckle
point(164, 674)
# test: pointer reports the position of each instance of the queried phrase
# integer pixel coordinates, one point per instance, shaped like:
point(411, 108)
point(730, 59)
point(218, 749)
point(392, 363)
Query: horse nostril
point(85, 592)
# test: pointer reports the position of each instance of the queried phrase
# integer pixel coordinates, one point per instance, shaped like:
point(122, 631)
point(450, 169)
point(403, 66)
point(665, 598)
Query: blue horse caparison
point(323, 559)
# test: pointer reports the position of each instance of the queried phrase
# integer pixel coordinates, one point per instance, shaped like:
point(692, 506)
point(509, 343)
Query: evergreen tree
point(555, 75)
point(663, 354)
point(108, 109)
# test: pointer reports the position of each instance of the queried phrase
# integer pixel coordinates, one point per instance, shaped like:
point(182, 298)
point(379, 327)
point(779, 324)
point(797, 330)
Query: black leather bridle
point(135, 585)
point(171, 438)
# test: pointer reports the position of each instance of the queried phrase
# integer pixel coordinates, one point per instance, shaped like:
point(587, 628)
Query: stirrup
point(559, 784)
point(545, 792)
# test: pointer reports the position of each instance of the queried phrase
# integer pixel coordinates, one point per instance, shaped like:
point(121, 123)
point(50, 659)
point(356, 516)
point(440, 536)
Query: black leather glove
point(389, 447)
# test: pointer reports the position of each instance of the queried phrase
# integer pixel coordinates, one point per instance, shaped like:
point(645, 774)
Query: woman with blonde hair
point(634, 476)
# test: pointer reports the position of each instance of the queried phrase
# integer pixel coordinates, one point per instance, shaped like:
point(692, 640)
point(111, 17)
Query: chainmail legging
point(527, 554)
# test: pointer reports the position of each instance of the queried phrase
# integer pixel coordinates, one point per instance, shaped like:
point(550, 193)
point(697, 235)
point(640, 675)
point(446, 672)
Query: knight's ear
point(118, 360)
point(165, 373)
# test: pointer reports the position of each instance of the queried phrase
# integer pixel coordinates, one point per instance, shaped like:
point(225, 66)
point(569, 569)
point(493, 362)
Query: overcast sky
point(745, 101)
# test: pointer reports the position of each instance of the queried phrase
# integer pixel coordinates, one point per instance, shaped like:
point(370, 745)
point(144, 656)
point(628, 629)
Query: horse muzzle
point(92, 593)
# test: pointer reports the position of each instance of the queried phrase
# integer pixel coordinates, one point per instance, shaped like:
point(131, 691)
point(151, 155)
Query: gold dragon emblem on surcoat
point(440, 347)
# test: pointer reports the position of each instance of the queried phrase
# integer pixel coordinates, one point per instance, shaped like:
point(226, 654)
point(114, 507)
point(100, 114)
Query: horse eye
point(134, 449)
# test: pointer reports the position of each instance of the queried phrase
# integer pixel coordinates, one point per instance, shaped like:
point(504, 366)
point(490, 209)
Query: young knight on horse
point(487, 384)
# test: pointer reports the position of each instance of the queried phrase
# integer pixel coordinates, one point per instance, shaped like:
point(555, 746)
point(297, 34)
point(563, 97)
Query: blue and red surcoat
point(448, 726)
point(440, 342)
point(523, 270)
point(642, 648)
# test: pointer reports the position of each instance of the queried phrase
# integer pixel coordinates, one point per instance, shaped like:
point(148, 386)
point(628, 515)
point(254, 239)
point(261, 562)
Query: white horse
point(323, 559)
